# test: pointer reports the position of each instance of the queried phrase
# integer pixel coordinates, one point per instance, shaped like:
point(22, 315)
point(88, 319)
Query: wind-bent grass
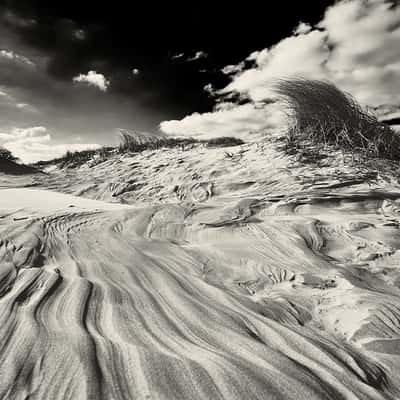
point(133, 142)
point(137, 141)
point(320, 113)
point(77, 158)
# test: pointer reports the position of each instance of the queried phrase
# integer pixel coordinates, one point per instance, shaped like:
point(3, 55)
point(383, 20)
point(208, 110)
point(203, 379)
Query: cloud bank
point(92, 78)
point(35, 143)
point(227, 119)
point(355, 46)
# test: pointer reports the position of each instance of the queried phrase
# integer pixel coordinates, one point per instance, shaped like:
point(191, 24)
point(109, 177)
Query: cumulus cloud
point(35, 143)
point(227, 119)
point(92, 78)
point(233, 69)
point(355, 46)
point(302, 28)
point(10, 55)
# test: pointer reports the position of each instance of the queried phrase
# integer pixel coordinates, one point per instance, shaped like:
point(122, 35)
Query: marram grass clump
point(137, 141)
point(321, 114)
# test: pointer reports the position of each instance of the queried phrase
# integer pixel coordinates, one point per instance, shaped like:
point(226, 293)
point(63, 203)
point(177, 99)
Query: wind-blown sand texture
point(200, 274)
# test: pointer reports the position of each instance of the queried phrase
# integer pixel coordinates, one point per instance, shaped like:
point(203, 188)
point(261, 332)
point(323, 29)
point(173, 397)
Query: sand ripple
point(252, 287)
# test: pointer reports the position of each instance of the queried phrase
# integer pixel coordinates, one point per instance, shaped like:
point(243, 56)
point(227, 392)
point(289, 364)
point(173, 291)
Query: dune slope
point(231, 274)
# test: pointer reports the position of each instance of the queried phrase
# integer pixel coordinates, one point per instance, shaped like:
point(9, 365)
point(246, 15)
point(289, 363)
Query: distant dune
point(201, 273)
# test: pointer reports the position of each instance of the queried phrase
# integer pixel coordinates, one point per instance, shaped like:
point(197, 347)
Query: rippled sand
point(200, 274)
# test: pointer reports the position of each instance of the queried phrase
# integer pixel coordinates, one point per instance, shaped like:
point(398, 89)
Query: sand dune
point(200, 274)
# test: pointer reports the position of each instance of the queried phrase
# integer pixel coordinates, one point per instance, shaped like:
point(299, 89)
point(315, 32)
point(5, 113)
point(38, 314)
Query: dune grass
point(77, 158)
point(137, 141)
point(322, 115)
point(133, 142)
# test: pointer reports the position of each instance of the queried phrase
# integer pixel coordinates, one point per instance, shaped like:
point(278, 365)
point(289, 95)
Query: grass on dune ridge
point(321, 118)
point(322, 115)
point(134, 142)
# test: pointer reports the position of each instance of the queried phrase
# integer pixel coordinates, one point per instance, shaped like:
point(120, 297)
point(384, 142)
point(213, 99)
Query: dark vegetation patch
point(9, 164)
point(224, 141)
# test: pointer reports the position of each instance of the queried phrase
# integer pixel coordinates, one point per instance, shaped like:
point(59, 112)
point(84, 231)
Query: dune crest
point(200, 274)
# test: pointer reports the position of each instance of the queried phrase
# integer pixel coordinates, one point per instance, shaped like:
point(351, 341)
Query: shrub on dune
point(10, 164)
point(320, 113)
point(6, 154)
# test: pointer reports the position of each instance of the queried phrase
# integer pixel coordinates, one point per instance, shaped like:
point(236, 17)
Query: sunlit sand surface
point(200, 273)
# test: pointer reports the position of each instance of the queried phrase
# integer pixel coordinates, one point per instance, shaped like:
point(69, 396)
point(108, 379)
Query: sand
point(233, 273)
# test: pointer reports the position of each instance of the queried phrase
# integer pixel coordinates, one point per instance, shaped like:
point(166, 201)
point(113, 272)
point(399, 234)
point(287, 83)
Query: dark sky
point(68, 38)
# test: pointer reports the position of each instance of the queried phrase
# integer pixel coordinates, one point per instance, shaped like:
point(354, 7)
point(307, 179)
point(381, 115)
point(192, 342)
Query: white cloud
point(135, 71)
point(227, 119)
point(35, 143)
point(199, 54)
point(9, 55)
point(355, 45)
point(93, 78)
point(233, 69)
point(178, 56)
point(302, 29)
point(304, 54)
point(34, 131)
point(209, 89)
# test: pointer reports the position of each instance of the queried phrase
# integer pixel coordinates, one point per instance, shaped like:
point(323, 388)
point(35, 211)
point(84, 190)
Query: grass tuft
point(136, 141)
point(321, 114)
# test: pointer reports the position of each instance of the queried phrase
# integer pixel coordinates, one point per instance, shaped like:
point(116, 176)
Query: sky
point(73, 72)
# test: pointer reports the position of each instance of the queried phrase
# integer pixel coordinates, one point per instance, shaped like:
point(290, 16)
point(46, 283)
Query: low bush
point(6, 154)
